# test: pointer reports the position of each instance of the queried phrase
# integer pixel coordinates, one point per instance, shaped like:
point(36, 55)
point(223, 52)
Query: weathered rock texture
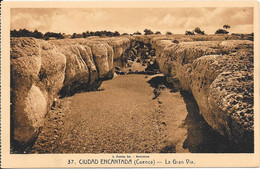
point(36, 78)
point(42, 70)
point(219, 74)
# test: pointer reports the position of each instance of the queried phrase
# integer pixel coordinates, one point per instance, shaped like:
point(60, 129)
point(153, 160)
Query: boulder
point(36, 79)
point(100, 53)
point(87, 56)
point(52, 72)
point(119, 45)
point(40, 70)
point(76, 73)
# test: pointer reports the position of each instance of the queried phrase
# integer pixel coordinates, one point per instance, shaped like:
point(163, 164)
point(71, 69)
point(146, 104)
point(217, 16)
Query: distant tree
point(109, 33)
point(97, 33)
point(74, 35)
point(226, 26)
point(116, 33)
point(79, 35)
point(60, 36)
point(37, 34)
point(47, 35)
point(26, 33)
point(103, 33)
point(147, 32)
point(221, 31)
point(198, 31)
point(158, 33)
point(125, 34)
point(84, 34)
point(137, 33)
point(87, 34)
point(189, 33)
point(13, 33)
point(168, 33)
point(91, 33)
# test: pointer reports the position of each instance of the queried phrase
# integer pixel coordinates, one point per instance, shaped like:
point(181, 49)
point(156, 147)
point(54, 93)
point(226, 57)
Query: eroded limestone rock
point(220, 76)
point(41, 70)
point(218, 73)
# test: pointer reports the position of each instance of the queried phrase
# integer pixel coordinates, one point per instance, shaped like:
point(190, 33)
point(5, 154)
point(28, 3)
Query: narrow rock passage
point(123, 117)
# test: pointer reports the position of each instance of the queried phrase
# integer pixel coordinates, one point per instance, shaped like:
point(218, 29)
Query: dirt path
point(124, 117)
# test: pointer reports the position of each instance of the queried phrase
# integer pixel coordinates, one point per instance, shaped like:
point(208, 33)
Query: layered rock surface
point(219, 74)
point(42, 70)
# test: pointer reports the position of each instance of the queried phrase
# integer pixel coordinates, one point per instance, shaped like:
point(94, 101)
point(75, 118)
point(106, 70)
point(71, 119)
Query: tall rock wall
point(219, 74)
point(42, 70)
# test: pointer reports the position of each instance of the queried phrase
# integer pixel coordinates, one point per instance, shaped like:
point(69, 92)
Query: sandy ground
point(125, 117)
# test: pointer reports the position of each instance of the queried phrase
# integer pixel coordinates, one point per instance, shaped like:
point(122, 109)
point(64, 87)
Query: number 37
point(70, 161)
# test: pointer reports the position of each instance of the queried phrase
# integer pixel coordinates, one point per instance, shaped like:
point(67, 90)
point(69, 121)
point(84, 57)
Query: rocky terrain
point(217, 73)
point(124, 116)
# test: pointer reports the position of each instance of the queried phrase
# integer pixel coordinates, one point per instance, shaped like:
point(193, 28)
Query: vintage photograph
point(131, 80)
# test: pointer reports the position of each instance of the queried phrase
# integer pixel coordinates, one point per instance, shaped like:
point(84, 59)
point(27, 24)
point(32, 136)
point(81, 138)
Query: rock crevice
point(42, 70)
point(219, 74)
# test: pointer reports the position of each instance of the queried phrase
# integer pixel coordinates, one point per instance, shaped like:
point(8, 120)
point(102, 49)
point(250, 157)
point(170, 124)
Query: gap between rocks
point(159, 116)
point(124, 117)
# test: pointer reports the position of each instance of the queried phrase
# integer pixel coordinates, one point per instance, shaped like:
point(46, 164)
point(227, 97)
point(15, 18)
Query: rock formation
point(36, 79)
point(42, 70)
point(219, 74)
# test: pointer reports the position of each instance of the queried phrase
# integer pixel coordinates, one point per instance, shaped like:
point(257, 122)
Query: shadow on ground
point(201, 137)
point(156, 81)
point(72, 89)
point(20, 148)
point(169, 149)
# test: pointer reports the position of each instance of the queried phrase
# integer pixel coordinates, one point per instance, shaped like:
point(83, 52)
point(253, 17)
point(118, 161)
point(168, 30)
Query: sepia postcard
point(129, 84)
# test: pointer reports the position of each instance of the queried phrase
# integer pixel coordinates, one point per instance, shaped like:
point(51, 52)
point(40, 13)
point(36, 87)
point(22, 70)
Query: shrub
point(168, 33)
point(47, 35)
point(221, 31)
point(137, 33)
point(116, 33)
point(189, 33)
point(26, 33)
point(147, 32)
point(74, 35)
point(175, 41)
point(198, 31)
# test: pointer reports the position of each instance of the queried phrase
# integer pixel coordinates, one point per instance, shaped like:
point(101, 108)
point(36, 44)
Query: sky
point(129, 20)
